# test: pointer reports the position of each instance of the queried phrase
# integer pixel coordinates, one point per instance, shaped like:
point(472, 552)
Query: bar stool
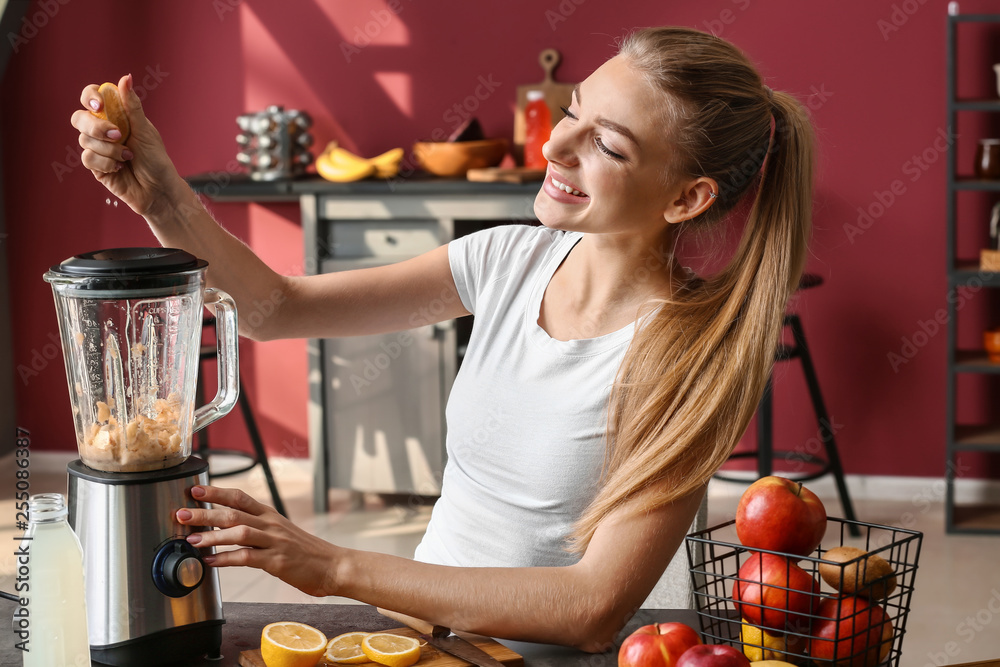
point(259, 456)
point(765, 453)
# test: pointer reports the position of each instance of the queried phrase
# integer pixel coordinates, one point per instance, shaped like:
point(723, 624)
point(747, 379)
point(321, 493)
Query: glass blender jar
point(130, 321)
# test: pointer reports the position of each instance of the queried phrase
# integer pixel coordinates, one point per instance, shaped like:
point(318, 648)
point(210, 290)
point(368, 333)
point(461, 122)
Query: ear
point(691, 200)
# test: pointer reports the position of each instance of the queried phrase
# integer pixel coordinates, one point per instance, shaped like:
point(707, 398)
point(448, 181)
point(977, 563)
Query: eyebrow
point(604, 122)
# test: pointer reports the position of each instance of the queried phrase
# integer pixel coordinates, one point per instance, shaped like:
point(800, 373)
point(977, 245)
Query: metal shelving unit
point(964, 272)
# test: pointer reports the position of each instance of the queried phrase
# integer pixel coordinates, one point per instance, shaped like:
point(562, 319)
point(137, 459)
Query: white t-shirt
point(526, 415)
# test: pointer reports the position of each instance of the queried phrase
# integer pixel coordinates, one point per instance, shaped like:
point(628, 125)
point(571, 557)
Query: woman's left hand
point(268, 541)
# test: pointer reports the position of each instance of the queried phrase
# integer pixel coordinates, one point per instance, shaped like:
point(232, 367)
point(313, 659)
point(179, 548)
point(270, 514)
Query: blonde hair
point(696, 368)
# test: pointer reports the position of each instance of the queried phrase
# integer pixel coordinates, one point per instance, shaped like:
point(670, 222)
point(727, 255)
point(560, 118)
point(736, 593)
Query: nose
point(561, 147)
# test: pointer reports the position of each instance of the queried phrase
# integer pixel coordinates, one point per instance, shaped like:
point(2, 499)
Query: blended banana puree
point(145, 443)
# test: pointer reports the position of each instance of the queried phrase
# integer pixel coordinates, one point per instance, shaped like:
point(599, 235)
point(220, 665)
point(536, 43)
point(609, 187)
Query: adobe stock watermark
point(262, 310)
point(968, 629)
point(152, 77)
point(562, 12)
point(373, 366)
point(929, 496)
point(914, 168)
point(31, 25)
point(371, 29)
point(223, 7)
point(726, 17)
point(804, 453)
point(41, 357)
point(453, 117)
point(898, 17)
point(927, 329)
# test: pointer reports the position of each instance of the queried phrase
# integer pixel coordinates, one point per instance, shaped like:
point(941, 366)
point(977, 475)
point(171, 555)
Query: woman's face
point(612, 149)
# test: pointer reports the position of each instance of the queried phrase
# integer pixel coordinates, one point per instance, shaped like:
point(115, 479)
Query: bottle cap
point(535, 95)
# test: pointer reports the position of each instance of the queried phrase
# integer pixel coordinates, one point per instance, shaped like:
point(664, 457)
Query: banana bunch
point(341, 166)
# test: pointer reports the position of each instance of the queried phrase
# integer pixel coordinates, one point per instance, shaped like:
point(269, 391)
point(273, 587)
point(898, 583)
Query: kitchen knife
point(441, 638)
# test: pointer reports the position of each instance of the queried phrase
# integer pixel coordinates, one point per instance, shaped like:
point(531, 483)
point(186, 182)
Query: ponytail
point(694, 373)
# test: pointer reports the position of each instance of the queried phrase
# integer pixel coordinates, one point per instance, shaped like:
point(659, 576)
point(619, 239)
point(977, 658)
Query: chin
point(552, 217)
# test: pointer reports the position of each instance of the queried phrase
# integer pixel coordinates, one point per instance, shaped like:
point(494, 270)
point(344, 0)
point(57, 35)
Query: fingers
point(90, 98)
point(89, 124)
point(233, 498)
point(235, 558)
point(100, 153)
point(133, 105)
point(114, 151)
point(100, 163)
point(237, 536)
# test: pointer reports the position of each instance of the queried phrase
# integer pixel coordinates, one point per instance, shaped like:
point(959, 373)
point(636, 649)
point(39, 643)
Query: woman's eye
point(607, 151)
point(567, 113)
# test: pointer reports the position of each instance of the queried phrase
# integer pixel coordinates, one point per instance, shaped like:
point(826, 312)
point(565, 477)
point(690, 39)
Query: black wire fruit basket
point(777, 606)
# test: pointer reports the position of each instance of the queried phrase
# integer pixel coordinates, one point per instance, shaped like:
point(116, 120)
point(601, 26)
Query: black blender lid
point(122, 262)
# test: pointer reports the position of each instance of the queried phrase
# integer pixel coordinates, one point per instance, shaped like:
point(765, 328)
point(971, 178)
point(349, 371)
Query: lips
point(560, 188)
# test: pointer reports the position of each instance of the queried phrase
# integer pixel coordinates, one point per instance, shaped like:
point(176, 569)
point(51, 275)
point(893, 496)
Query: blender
point(130, 323)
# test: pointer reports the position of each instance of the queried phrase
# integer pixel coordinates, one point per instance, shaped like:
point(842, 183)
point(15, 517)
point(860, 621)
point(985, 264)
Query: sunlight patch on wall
point(368, 22)
point(271, 77)
point(398, 86)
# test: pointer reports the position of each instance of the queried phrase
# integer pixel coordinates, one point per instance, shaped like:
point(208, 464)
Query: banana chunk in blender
point(144, 443)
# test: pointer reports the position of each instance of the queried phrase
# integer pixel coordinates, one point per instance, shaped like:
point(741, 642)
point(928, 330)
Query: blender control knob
point(177, 569)
point(183, 570)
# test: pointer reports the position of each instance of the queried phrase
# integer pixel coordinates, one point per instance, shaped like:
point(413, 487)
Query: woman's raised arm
point(139, 172)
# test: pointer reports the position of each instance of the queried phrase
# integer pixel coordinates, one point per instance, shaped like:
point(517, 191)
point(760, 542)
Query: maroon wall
point(873, 73)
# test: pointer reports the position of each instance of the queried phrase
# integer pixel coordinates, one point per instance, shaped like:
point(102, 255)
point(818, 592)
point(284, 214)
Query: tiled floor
point(955, 611)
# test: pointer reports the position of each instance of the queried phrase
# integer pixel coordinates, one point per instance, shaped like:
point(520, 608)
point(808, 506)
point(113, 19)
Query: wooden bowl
point(454, 158)
point(991, 341)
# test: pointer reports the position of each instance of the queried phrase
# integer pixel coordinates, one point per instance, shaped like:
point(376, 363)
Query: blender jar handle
point(228, 360)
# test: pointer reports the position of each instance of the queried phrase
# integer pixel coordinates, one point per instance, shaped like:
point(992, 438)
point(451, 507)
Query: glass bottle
point(57, 606)
point(538, 127)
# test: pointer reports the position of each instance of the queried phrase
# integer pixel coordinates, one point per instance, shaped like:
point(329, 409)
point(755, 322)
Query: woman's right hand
point(138, 172)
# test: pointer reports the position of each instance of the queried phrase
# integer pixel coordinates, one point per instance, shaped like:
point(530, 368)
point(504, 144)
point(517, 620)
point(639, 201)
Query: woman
point(621, 380)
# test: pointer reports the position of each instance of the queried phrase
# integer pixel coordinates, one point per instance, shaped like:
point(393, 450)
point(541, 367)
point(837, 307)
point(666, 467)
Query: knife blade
point(441, 638)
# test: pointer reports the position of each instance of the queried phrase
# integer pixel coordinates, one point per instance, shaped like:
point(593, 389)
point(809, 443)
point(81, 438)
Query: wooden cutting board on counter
point(556, 95)
point(429, 656)
point(505, 175)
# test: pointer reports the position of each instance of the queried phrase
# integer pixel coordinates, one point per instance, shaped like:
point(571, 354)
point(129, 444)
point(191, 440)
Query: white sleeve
point(481, 258)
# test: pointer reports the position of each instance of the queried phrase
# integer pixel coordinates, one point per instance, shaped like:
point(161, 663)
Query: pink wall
point(877, 97)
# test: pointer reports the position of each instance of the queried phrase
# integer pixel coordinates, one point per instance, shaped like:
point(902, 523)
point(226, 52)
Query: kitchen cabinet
point(972, 379)
point(376, 407)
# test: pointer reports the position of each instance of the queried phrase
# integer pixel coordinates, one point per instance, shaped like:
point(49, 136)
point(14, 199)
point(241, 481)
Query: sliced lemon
point(291, 644)
point(345, 649)
point(391, 650)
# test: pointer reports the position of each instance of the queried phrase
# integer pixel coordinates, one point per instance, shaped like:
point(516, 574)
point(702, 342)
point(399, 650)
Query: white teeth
point(566, 188)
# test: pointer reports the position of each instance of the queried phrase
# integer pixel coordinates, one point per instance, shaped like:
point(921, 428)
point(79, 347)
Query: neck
point(608, 271)
point(602, 284)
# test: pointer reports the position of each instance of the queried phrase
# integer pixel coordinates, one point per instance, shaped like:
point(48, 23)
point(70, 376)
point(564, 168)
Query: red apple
point(849, 633)
point(657, 645)
point(778, 514)
point(713, 655)
point(773, 592)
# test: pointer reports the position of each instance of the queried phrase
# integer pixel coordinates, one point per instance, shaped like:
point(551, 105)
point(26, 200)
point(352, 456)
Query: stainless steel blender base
point(149, 596)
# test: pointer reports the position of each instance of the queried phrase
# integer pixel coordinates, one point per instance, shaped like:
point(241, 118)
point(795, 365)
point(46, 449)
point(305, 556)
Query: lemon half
point(291, 644)
point(391, 650)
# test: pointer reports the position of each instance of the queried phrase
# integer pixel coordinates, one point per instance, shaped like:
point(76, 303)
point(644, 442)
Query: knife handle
point(421, 626)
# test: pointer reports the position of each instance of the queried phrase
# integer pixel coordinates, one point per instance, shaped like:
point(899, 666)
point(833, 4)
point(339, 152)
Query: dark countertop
point(244, 622)
point(238, 186)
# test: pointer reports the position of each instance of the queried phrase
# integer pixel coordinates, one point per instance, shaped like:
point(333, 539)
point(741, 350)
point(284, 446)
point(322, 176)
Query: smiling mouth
point(567, 189)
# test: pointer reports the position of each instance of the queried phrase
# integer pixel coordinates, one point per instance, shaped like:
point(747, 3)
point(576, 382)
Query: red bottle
point(538, 127)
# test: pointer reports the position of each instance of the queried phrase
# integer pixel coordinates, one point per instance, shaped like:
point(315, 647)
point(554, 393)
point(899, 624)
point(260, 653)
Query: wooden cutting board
point(429, 656)
point(556, 95)
point(505, 175)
